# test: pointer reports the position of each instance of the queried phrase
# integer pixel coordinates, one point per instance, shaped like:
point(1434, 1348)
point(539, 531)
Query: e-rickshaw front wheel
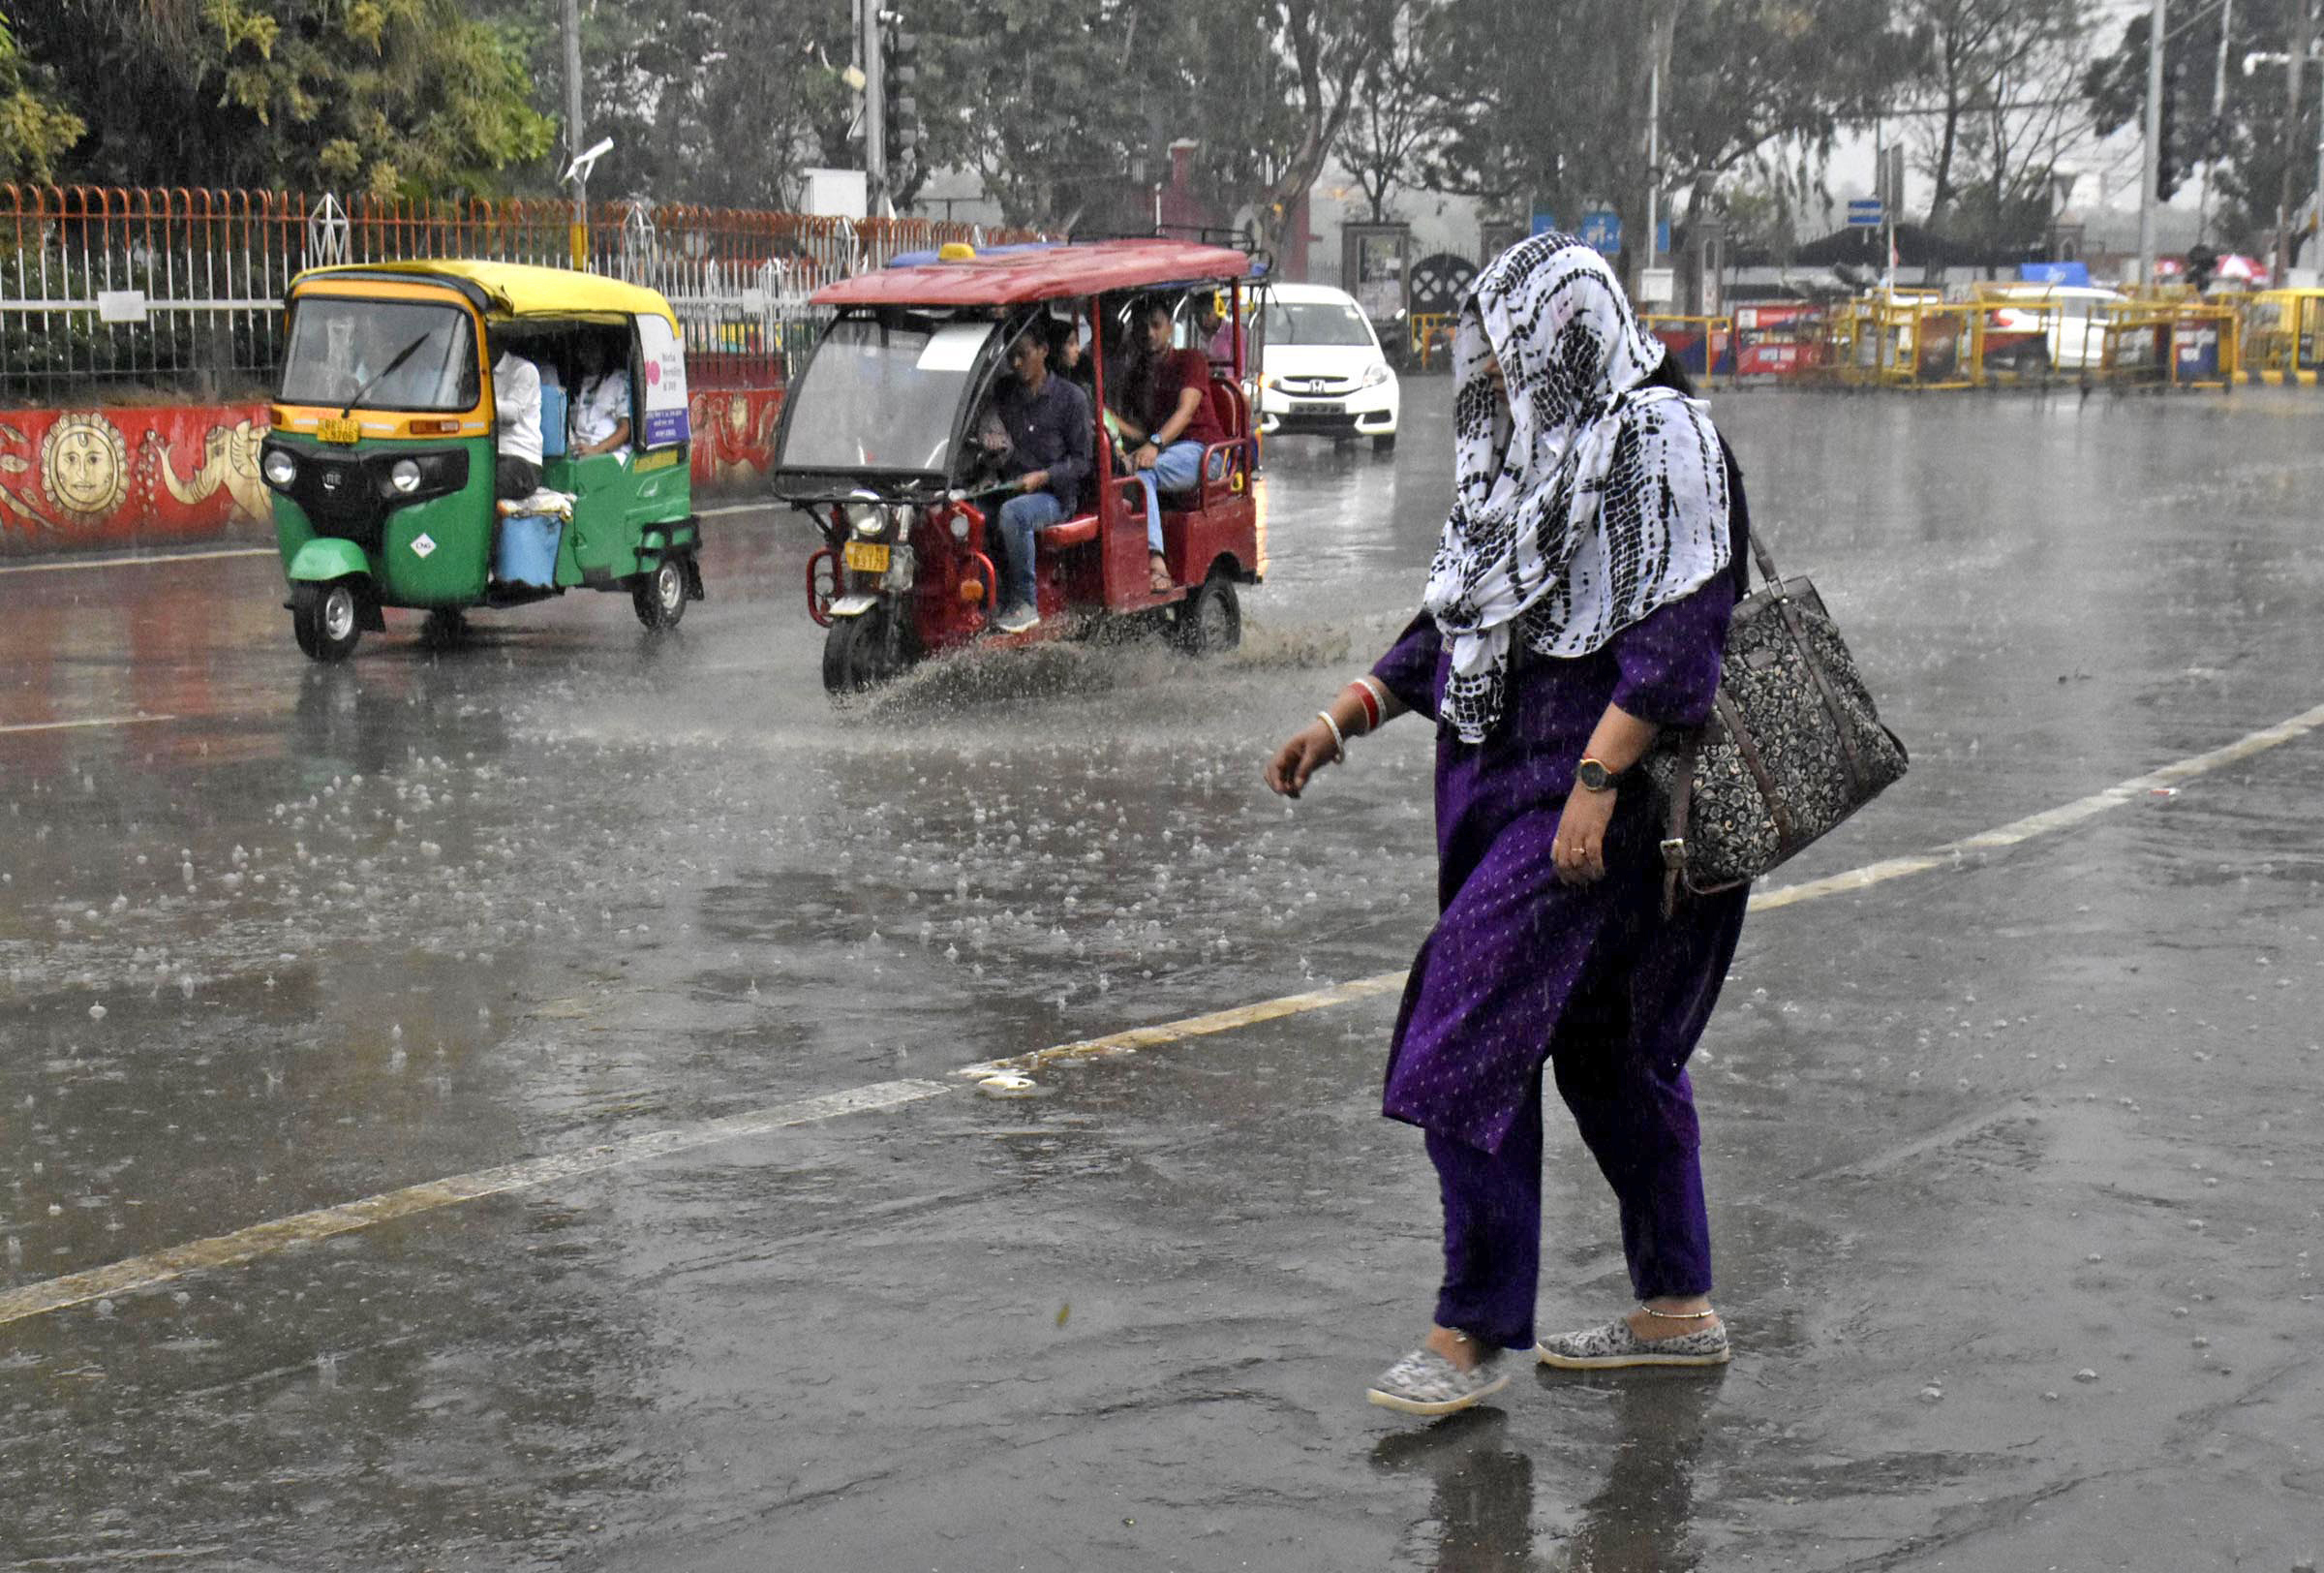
point(325, 619)
point(863, 651)
point(659, 596)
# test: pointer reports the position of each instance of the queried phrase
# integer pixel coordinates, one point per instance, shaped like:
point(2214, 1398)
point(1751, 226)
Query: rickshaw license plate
point(339, 429)
point(866, 556)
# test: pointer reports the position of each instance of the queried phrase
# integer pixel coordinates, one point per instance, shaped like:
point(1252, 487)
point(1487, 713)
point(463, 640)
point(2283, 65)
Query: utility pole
point(2210, 134)
point(2303, 40)
point(579, 235)
point(875, 107)
point(1661, 37)
point(2150, 192)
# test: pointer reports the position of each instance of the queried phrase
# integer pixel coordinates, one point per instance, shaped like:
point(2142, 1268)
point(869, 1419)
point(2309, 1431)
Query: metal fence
point(107, 291)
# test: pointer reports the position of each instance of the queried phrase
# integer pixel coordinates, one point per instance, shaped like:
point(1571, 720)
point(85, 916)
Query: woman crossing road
point(1577, 603)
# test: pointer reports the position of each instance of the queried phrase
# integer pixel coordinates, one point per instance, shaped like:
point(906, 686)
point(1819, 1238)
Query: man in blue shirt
point(1050, 433)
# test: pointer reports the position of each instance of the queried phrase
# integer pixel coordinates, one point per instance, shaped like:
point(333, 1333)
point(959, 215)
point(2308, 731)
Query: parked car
point(1322, 372)
point(2036, 327)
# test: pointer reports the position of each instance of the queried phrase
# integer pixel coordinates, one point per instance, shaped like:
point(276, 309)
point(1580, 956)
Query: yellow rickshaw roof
point(520, 290)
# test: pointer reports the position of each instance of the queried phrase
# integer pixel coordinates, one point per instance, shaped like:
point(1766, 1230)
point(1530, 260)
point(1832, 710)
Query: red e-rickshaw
point(879, 446)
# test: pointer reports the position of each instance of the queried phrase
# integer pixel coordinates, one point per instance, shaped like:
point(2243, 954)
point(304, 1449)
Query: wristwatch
point(1592, 776)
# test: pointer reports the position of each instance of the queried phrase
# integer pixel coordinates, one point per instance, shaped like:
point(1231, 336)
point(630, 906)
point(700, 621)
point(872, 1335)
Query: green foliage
point(2264, 153)
point(397, 97)
point(36, 129)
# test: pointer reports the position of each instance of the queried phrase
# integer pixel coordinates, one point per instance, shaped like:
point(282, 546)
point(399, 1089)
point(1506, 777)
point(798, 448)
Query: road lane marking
point(73, 725)
point(263, 1238)
point(140, 561)
point(2017, 831)
point(142, 1273)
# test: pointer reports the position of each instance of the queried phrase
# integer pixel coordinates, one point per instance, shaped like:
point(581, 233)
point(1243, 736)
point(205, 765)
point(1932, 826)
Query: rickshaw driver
point(516, 426)
point(1049, 429)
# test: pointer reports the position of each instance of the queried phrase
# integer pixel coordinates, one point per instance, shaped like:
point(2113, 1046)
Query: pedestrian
point(1577, 603)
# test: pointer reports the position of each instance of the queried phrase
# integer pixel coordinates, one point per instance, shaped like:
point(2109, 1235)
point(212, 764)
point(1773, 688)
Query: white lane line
point(2046, 822)
point(75, 725)
point(141, 1272)
point(263, 1238)
point(140, 561)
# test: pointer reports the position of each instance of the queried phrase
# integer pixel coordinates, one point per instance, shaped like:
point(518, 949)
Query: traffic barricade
point(1704, 346)
point(1778, 340)
point(2278, 340)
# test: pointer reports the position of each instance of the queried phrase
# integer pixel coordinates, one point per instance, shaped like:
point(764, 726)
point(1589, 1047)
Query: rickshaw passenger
point(1169, 407)
point(1048, 427)
point(600, 415)
point(516, 426)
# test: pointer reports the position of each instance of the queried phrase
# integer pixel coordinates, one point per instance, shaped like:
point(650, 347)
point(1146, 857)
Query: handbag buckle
point(1674, 852)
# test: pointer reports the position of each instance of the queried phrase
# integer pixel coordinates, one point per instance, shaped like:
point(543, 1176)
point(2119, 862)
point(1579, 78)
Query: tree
point(1388, 133)
point(1999, 83)
point(36, 129)
point(2262, 155)
point(399, 97)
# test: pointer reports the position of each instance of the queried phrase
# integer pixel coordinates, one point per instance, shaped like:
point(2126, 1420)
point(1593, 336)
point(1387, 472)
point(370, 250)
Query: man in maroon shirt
point(1176, 423)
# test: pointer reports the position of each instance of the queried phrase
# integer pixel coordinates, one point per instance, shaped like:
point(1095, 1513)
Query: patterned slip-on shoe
point(1426, 1382)
point(1614, 1346)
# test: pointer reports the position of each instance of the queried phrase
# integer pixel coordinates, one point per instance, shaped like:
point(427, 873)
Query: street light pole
point(578, 237)
point(2150, 184)
point(875, 107)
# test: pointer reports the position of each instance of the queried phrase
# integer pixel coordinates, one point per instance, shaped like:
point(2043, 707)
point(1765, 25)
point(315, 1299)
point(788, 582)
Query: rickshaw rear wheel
point(659, 596)
point(856, 653)
point(326, 619)
point(1211, 620)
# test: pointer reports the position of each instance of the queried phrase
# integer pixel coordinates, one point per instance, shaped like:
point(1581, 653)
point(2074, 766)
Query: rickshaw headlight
point(867, 519)
point(404, 476)
point(280, 467)
point(960, 527)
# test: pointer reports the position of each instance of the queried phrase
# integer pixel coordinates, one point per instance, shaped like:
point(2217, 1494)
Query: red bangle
point(1370, 702)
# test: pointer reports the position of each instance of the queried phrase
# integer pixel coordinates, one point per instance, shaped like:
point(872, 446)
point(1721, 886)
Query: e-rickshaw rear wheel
point(1211, 620)
point(860, 653)
point(325, 619)
point(659, 596)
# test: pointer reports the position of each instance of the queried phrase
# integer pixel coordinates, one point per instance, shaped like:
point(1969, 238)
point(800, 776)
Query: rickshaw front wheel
point(325, 619)
point(857, 651)
point(659, 596)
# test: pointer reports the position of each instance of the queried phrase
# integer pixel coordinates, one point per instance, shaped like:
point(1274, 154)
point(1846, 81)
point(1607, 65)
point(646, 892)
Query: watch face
point(1592, 776)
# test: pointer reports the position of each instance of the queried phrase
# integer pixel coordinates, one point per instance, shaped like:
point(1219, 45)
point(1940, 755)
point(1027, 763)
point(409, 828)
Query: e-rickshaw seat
point(1079, 531)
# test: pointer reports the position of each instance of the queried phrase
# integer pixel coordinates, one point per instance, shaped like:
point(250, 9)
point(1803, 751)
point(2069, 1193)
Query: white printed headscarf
point(1556, 525)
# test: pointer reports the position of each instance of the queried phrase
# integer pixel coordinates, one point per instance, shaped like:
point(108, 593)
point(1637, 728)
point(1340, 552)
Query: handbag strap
point(1674, 817)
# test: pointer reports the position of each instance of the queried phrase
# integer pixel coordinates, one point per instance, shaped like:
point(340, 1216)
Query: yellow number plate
point(866, 556)
point(339, 429)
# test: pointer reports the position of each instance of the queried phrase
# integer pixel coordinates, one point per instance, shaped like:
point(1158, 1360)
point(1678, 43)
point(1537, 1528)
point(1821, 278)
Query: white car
point(2038, 327)
point(1323, 371)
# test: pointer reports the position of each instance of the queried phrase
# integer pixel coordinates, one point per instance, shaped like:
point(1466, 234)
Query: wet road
point(2013, 1162)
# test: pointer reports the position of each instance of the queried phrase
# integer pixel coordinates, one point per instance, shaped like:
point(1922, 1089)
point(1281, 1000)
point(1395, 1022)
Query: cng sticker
point(422, 546)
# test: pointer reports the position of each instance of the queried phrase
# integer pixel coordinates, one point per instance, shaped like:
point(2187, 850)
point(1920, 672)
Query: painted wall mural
point(132, 476)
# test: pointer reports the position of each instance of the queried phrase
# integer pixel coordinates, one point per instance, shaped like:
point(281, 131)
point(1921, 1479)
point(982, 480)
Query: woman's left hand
point(1579, 847)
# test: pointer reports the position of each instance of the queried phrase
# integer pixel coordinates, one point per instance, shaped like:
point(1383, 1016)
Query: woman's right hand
point(1310, 748)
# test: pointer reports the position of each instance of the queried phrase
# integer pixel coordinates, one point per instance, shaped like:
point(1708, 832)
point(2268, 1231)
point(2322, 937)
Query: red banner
point(169, 474)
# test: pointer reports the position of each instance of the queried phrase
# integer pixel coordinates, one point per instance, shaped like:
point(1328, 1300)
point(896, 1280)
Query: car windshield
point(339, 347)
point(1316, 321)
point(882, 393)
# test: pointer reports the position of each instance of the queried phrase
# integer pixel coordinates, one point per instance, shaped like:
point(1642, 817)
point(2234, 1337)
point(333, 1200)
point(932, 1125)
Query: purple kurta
point(1514, 942)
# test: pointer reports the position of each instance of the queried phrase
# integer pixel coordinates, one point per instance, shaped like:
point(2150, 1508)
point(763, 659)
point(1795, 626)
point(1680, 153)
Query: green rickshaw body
point(389, 499)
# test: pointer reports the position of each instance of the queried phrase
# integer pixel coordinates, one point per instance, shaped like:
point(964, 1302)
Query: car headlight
point(280, 468)
point(404, 476)
point(1376, 373)
point(1269, 381)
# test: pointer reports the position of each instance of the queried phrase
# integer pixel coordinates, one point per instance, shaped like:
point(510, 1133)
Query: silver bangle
point(1339, 741)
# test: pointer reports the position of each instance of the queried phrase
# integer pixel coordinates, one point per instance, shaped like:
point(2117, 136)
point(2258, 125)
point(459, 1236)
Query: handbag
point(1792, 746)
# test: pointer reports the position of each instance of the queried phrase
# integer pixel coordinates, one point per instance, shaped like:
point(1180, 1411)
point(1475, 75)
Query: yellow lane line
point(73, 725)
point(141, 1272)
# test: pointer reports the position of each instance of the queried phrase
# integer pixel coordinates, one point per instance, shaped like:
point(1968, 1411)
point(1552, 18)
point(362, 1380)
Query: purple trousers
point(1618, 1054)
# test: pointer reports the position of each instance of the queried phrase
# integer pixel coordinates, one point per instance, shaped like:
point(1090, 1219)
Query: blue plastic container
point(552, 422)
point(529, 549)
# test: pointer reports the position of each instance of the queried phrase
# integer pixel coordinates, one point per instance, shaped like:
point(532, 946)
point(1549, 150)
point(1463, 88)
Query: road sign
point(1601, 230)
point(1866, 212)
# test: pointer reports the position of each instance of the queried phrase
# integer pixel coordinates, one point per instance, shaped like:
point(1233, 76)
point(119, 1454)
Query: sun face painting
point(84, 465)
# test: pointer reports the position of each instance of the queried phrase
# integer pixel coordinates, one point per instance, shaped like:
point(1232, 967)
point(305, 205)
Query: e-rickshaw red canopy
point(1019, 278)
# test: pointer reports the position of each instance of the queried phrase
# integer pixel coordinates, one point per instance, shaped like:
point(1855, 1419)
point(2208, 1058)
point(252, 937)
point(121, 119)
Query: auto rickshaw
point(381, 454)
point(879, 447)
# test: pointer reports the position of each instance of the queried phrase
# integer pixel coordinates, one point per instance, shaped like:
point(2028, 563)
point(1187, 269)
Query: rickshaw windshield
point(337, 346)
point(883, 393)
point(1316, 321)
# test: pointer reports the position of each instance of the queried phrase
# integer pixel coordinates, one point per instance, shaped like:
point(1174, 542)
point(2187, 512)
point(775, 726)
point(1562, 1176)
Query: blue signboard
point(1866, 212)
point(1601, 231)
point(1544, 223)
point(2075, 274)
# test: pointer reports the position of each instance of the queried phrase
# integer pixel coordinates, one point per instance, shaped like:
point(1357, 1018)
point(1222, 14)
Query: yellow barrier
point(2283, 331)
point(1704, 347)
point(1424, 331)
point(2163, 343)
